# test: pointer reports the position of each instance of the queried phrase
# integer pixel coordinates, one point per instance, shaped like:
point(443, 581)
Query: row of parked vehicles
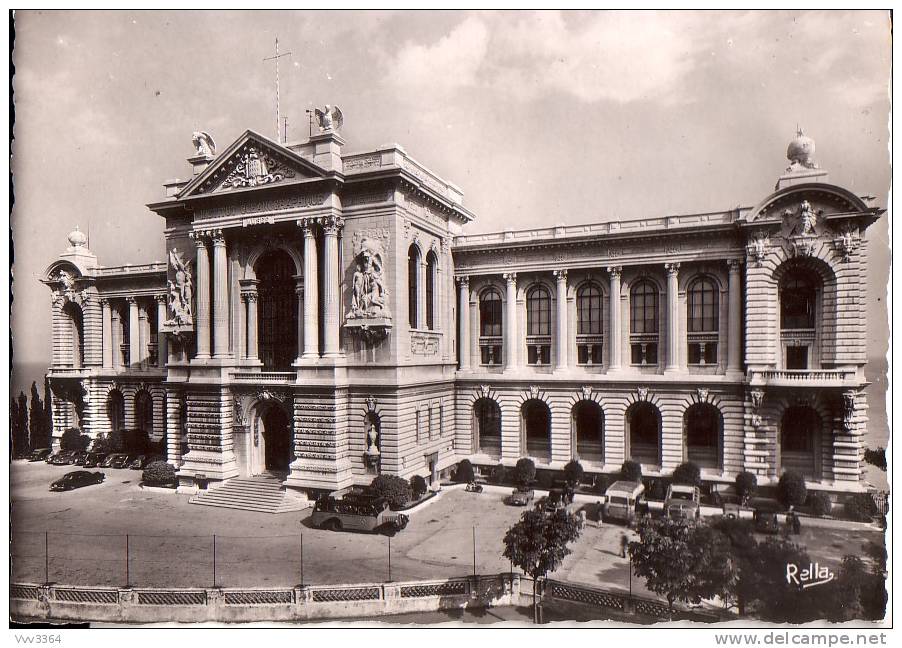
point(94, 459)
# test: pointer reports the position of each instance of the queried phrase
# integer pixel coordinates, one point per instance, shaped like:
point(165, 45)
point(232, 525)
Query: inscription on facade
point(285, 203)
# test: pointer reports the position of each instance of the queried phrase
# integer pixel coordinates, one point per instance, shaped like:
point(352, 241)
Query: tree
point(746, 486)
point(110, 442)
point(23, 422)
point(498, 474)
point(791, 489)
point(524, 473)
point(15, 440)
point(573, 473)
point(688, 474)
point(36, 416)
point(73, 439)
point(396, 490)
point(464, 472)
point(418, 486)
point(631, 471)
point(876, 457)
point(537, 543)
point(48, 412)
point(767, 590)
point(741, 536)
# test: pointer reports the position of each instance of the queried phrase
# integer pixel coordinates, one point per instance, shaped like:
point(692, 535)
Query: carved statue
point(372, 437)
point(180, 292)
point(807, 218)
point(329, 119)
point(68, 281)
point(204, 143)
point(368, 297)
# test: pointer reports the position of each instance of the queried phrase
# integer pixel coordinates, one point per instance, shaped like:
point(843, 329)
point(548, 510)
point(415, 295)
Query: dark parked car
point(94, 459)
point(78, 459)
point(766, 520)
point(142, 461)
point(110, 458)
point(62, 458)
point(76, 479)
point(40, 454)
point(122, 461)
point(557, 499)
point(520, 497)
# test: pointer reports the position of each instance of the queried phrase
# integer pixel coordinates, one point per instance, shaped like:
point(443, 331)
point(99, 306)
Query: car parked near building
point(521, 497)
point(78, 459)
point(357, 512)
point(682, 502)
point(110, 458)
point(40, 454)
point(765, 518)
point(557, 498)
point(76, 479)
point(142, 461)
point(94, 459)
point(62, 458)
point(123, 460)
point(623, 499)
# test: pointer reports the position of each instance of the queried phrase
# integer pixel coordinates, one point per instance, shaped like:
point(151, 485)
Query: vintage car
point(623, 501)
point(62, 458)
point(94, 459)
point(78, 459)
point(557, 498)
point(122, 460)
point(40, 454)
point(520, 497)
point(76, 479)
point(766, 521)
point(357, 512)
point(682, 502)
point(110, 458)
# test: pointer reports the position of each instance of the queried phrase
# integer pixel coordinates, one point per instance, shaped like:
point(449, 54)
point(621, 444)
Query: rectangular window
point(589, 350)
point(490, 351)
point(644, 353)
point(703, 349)
point(797, 357)
point(431, 428)
point(538, 353)
point(419, 428)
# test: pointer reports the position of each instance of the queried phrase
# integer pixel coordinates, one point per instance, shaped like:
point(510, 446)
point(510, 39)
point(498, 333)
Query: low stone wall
point(234, 605)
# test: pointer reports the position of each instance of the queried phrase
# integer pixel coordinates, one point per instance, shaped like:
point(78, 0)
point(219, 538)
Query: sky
point(540, 117)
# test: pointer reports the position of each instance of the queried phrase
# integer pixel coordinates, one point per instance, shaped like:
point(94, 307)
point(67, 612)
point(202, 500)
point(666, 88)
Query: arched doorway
point(536, 426)
point(487, 427)
point(800, 441)
point(703, 435)
point(275, 433)
point(277, 304)
point(643, 423)
point(115, 410)
point(588, 431)
point(144, 412)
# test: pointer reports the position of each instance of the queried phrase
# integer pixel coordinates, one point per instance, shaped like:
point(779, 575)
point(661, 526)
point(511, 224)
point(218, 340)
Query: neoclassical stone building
point(323, 317)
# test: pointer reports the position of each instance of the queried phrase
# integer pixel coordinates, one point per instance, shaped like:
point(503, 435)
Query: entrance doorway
point(431, 462)
point(277, 450)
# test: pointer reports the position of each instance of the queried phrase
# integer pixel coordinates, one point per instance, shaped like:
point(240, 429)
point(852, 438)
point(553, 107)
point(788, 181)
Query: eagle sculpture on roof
point(204, 143)
point(329, 118)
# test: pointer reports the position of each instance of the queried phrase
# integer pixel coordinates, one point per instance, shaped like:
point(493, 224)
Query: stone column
point(421, 294)
point(202, 317)
point(107, 333)
point(615, 344)
point(510, 322)
point(251, 298)
point(133, 333)
point(561, 341)
point(220, 296)
point(144, 335)
point(162, 351)
point(463, 344)
point(673, 314)
point(299, 290)
point(331, 316)
point(311, 292)
point(734, 318)
point(116, 336)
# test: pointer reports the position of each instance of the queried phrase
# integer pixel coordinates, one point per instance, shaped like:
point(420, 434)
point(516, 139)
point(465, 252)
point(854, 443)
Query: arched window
point(144, 413)
point(538, 326)
point(800, 441)
point(413, 286)
point(703, 321)
point(536, 429)
point(644, 323)
point(431, 269)
point(277, 307)
point(589, 339)
point(643, 421)
point(115, 410)
point(490, 332)
point(798, 317)
point(74, 335)
point(703, 430)
point(588, 429)
point(487, 417)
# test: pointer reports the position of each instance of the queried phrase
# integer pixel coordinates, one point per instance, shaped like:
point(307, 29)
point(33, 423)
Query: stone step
point(262, 494)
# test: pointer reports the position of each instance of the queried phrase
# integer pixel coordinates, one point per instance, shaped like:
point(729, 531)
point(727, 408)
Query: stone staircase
point(262, 493)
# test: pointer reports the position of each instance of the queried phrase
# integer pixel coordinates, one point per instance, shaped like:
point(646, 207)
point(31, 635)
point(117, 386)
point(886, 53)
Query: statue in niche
point(180, 292)
point(372, 437)
point(368, 298)
point(807, 219)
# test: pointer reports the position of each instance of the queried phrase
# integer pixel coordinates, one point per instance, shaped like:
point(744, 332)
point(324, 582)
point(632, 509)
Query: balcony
point(803, 377)
point(265, 377)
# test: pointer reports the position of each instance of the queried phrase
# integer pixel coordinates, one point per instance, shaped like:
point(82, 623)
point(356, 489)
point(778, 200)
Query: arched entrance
point(144, 412)
point(274, 440)
point(643, 425)
point(115, 409)
point(800, 441)
point(703, 436)
point(536, 429)
point(588, 431)
point(487, 427)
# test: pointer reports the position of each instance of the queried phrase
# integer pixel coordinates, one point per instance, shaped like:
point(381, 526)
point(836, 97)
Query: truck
point(357, 512)
point(623, 501)
point(683, 502)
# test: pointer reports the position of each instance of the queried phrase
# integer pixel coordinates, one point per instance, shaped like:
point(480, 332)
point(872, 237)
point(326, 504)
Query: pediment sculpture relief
point(368, 299)
point(255, 168)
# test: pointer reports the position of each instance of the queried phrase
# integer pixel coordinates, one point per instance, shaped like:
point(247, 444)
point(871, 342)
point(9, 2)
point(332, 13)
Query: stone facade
point(323, 316)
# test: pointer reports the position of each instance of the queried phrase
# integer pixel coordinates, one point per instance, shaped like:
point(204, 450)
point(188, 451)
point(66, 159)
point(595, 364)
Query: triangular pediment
point(251, 161)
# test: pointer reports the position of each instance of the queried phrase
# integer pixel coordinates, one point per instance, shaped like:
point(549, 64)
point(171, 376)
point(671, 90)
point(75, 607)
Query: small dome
point(801, 149)
point(77, 238)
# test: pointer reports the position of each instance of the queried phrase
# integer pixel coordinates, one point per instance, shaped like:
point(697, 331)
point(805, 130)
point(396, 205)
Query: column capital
point(161, 298)
point(332, 224)
point(249, 296)
point(105, 302)
point(217, 236)
point(308, 225)
point(615, 271)
point(199, 237)
point(672, 269)
point(510, 277)
point(561, 275)
point(735, 265)
point(463, 280)
point(132, 301)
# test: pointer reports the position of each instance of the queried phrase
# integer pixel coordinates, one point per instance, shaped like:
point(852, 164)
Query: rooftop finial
point(801, 152)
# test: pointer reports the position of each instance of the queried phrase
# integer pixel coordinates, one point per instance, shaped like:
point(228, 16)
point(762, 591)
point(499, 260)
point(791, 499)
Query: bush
point(159, 473)
point(861, 507)
point(876, 457)
point(573, 473)
point(688, 474)
point(418, 486)
point(464, 473)
point(498, 474)
point(820, 504)
point(136, 441)
point(525, 472)
point(396, 490)
point(791, 490)
point(73, 439)
point(631, 471)
point(746, 486)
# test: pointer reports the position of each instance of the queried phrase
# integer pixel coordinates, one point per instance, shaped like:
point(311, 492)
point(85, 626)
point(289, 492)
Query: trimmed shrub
point(73, 439)
point(791, 489)
point(418, 486)
point(573, 473)
point(159, 473)
point(396, 490)
point(861, 507)
point(631, 470)
point(464, 473)
point(746, 486)
point(498, 474)
point(688, 474)
point(525, 472)
point(820, 504)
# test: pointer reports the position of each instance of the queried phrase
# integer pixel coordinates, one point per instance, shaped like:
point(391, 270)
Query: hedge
point(396, 490)
point(159, 473)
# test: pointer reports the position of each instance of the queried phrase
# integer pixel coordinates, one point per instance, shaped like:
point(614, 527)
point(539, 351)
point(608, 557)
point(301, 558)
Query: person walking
point(624, 542)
